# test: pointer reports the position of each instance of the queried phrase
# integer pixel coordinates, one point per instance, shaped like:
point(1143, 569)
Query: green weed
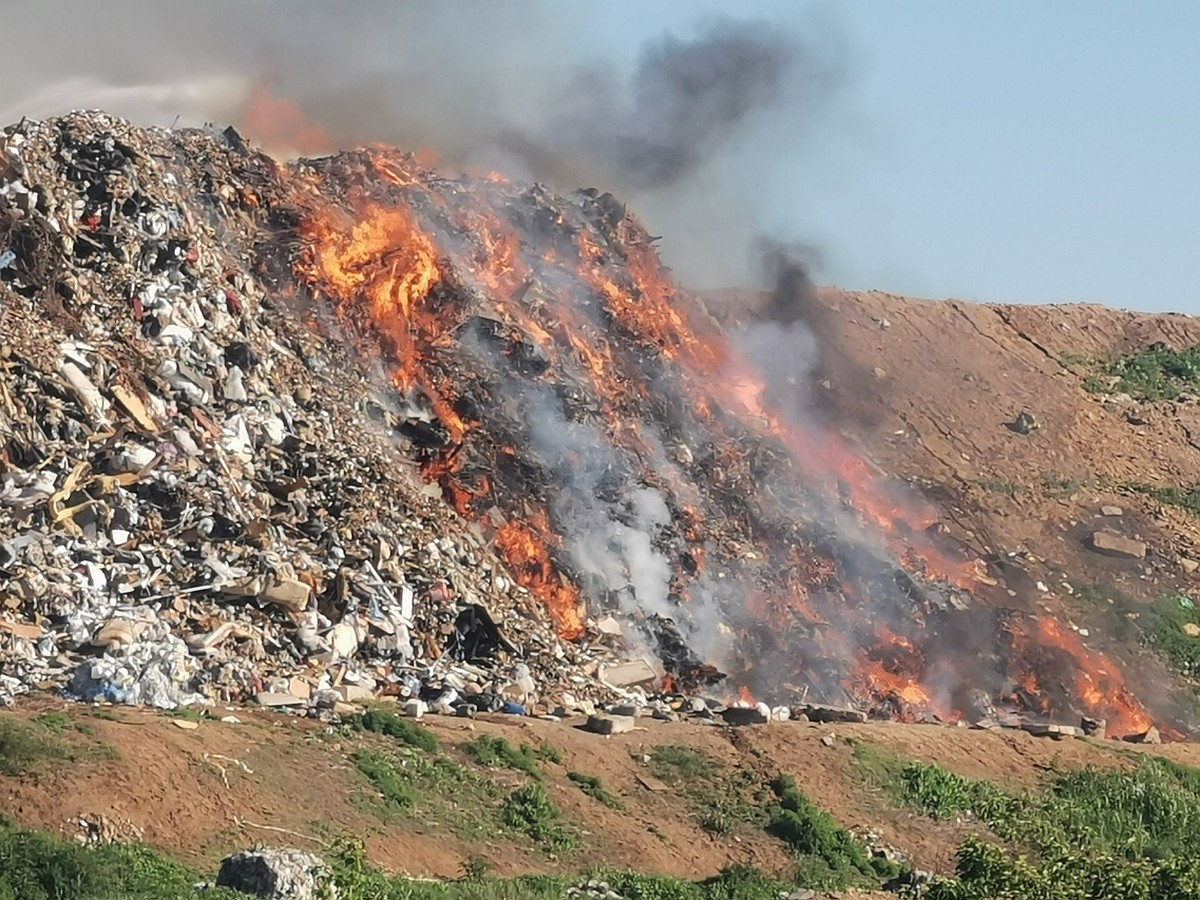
point(397, 727)
point(594, 788)
point(1185, 498)
point(675, 763)
point(530, 811)
point(39, 866)
point(1155, 375)
point(827, 856)
point(497, 753)
point(1095, 834)
point(26, 746)
point(394, 788)
point(1004, 486)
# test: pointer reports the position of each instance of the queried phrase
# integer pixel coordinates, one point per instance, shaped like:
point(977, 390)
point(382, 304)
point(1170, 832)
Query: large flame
point(600, 308)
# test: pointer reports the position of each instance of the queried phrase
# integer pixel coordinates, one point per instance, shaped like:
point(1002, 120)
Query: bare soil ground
point(202, 792)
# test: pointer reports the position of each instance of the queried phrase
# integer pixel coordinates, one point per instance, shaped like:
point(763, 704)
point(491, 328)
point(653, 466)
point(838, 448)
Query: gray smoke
point(692, 127)
point(683, 102)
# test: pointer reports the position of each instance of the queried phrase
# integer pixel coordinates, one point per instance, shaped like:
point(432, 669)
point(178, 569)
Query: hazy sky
point(1021, 151)
point(1013, 151)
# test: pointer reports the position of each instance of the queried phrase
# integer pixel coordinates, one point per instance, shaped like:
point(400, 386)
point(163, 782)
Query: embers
point(685, 668)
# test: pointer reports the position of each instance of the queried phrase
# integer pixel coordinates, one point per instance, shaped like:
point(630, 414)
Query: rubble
point(1111, 544)
point(195, 503)
point(278, 875)
point(605, 724)
point(325, 421)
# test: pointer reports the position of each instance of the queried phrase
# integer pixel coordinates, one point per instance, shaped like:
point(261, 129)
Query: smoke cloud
point(686, 125)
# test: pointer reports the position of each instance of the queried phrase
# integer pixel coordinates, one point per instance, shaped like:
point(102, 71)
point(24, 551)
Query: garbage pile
point(198, 500)
point(314, 433)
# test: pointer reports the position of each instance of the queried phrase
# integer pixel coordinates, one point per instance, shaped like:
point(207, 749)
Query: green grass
point(497, 753)
point(530, 811)
point(1185, 498)
point(674, 763)
point(397, 727)
point(356, 879)
point(1060, 487)
point(395, 788)
point(1003, 486)
point(827, 856)
point(1163, 623)
point(1151, 375)
point(1092, 834)
point(40, 866)
point(594, 788)
point(26, 747)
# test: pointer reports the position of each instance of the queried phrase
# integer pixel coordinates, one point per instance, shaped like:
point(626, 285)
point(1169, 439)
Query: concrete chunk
point(1051, 730)
point(610, 724)
point(1111, 544)
point(270, 698)
point(630, 673)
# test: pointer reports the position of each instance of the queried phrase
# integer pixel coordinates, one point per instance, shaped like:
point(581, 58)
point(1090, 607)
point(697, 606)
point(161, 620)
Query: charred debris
point(350, 428)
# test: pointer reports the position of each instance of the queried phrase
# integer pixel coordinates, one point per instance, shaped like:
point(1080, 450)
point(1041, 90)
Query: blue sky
point(1019, 151)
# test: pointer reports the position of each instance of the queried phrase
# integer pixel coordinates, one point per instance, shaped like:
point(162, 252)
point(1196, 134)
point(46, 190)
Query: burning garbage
point(350, 427)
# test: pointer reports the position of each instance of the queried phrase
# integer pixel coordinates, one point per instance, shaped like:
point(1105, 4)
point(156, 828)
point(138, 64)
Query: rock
point(813, 712)
point(629, 673)
point(1149, 736)
point(354, 693)
point(650, 783)
point(277, 875)
point(632, 710)
point(1188, 565)
point(738, 716)
point(1112, 544)
point(1191, 629)
point(414, 709)
point(185, 724)
point(601, 724)
point(1051, 730)
point(1111, 511)
point(1026, 423)
point(827, 740)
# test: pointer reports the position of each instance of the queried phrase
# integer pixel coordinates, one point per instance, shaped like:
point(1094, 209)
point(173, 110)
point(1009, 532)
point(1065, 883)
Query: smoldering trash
point(350, 428)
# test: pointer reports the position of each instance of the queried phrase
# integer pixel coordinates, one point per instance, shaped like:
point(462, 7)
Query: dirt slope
point(202, 792)
point(930, 385)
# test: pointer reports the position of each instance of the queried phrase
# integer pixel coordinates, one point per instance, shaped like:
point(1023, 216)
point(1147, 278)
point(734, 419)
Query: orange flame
point(524, 548)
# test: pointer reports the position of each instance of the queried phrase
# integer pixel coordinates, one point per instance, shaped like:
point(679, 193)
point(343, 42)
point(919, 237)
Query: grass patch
point(1003, 486)
point(395, 789)
point(497, 753)
point(594, 788)
point(1151, 375)
point(1060, 487)
point(530, 811)
point(1164, 624)
point(674, 763)
point(827, 856)
point(187, 713)
point(26, 746)
point(1094, 834)
point(40, 866)
point(877, 767)
point(397, 727)
point(1185, 498)
point(356, 879)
